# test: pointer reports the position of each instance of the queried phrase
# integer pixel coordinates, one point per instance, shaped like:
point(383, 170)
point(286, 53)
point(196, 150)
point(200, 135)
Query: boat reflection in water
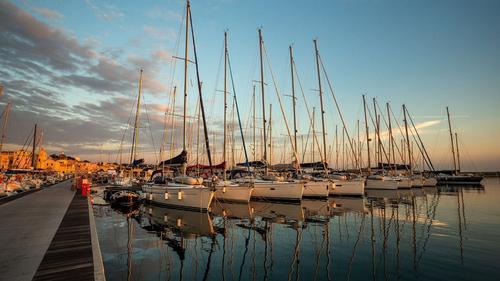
point(389, 234)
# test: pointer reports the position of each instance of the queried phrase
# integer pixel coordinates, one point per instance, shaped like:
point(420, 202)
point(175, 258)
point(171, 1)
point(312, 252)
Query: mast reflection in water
point(444, 233)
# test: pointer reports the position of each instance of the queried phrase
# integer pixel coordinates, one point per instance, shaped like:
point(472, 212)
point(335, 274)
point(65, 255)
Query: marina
point(262, 140)
point(392, 233)
point(408, 234)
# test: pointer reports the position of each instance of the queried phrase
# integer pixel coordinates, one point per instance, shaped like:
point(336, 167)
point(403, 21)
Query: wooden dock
point(69, 256)
point(49, 235)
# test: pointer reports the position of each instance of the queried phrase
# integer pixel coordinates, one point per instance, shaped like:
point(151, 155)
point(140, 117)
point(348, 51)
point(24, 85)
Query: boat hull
point(405, 183)
point(196, 198)
point(417, 182)
point(429, 182)
point(317, 189)
point(452, 180)
point(231, 192)
point(125, 198)
point(279, 191)
point(348, 188)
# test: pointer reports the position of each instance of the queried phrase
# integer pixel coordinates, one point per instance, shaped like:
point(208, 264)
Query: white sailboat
point(182, 191)
point(374, 181)
point(457, 177)
point(344, 186)
point(277, 190)
point(381, 182)
point(225, 189)
point(341, 185)
point(313, 187)
point(268, 186)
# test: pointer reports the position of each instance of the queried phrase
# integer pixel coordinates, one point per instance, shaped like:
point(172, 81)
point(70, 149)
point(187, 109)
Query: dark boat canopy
point(176, 161)
point(255, 164)
point(283, 167)
point(390, 166)
point(206, 167)
point(314, 165)
point(137, 162)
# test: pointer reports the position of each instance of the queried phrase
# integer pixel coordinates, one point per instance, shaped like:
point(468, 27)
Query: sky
point(72, 67)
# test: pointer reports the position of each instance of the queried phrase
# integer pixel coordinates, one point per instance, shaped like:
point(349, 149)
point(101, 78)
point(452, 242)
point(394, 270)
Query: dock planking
point(69, 256)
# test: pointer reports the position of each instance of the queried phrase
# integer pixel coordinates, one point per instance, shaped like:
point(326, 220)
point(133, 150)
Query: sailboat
point(377, 181)
point(340, 184)
point(269, 186)
point(182, 191)
point(408, 181)
point(124, 196)
point(456, 177)
point(227, 190)
point(313, 187)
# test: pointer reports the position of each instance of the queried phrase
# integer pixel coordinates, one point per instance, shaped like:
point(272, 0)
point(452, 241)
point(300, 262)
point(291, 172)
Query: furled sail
point(255, 164)
point(314, 165)
point(137, 162)
point(176, 161)
point(206, 167)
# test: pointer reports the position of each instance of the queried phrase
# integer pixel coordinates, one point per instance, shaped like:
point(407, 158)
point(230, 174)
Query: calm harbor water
point(443, 233)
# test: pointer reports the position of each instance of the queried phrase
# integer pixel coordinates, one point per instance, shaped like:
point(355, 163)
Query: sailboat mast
point(379, 143)
point(264, 157)
point(407, 140)
point(239, 118)
point(186, 54)
point(313, 132)
point(135, 138)
point(320, 99)
point(172, 119)
point(33, 157)
point(358, 150)
point(293, 101)
point(270, 134)
point(200, 95)
point(458, 153)
point(4, 126)
point(367, 135)
point(233, 148)
point(343, 150)
point(391, 139)
point(377, 135)
point(225, 106)
point(336, 148)
point(451, 138)
point(254, 139)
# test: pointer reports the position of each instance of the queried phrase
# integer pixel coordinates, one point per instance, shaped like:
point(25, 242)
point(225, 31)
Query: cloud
point(160, 33)
point(25, 38)
point(105, 12)
point(164, 14)
point(80, 96)
point(384, 135)
point(47, 13)
point(162, 55)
